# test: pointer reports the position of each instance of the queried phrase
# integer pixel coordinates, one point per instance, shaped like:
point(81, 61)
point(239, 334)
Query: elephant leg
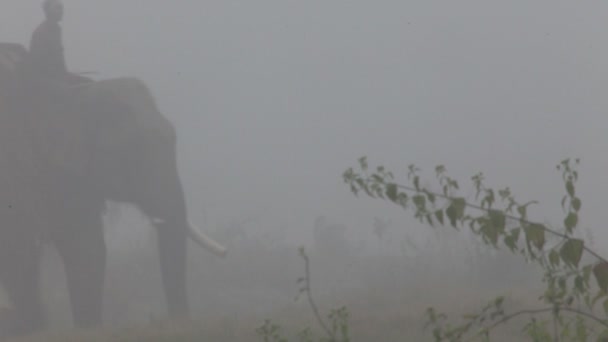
point(82, 247)
point(172, 253)
point(20, 274)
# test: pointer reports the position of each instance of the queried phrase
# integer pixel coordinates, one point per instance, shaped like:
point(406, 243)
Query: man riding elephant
point(45, 67)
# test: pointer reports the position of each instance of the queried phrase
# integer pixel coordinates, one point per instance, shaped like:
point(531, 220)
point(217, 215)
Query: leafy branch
point(567, 282)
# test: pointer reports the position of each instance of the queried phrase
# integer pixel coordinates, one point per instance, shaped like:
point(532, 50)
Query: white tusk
point(158, 221)
point(205, 241)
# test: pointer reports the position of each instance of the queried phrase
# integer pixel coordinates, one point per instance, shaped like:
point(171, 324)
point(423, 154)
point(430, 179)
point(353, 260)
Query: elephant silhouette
point(59, 165)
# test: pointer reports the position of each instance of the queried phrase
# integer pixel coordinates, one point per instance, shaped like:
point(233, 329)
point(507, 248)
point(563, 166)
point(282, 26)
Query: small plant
point(335, 331)
point(270, 332)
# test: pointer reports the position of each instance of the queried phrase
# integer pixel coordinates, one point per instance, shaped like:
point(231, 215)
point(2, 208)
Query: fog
point(273, 100)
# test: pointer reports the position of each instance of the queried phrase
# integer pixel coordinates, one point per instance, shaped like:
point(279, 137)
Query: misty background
point(273, 100)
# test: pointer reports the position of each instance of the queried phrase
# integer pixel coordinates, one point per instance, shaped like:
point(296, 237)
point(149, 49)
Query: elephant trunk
point(161, 198)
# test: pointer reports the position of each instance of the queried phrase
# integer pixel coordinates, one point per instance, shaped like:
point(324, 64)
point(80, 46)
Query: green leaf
point(504, 193)
point(402, 199)
point(420, 202)
point(579, 284)
point(439, 216)
point(510, 243)
point(515, 233)
point(600, 271)
point(489, 198)
point(429, 219)
point(572, 251)
point(570, 188)
point(455, 210)
point(363, 185)
point(576, 203)
point(587, 272)
point(554, 258)
point(535, 234)
point(571, 221)
point(451, 214)
point(430, 196)
point(522, 211)
point(498, 301)
point(391, 191)
point(377, 178)
point(498, 220)
point(511, 239)
point(363, 163)
point(439, 169)
point(489, 231)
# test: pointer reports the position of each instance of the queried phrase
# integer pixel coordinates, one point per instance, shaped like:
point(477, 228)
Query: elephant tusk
point(202, 239)
point(205, 241)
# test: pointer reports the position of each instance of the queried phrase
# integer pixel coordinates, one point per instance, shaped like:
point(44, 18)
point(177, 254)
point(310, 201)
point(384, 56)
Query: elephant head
point(133, 152)
point(133, 159)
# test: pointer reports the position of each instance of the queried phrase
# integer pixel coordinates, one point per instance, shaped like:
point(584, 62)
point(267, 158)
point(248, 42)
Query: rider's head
point(53, 9)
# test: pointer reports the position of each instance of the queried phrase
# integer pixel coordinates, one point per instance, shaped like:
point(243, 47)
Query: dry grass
point(386, 296)
point(382, 314)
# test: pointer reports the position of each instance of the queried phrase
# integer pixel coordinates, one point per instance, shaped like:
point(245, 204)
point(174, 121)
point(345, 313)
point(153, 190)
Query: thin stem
point(555, 334)
point(311, 301)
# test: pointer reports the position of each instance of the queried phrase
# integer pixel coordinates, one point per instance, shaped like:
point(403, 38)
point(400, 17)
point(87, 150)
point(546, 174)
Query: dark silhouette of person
point(45, 66)
point(46, 46)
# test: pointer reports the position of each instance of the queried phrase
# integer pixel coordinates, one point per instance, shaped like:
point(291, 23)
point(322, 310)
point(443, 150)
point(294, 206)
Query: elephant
point(59, 165)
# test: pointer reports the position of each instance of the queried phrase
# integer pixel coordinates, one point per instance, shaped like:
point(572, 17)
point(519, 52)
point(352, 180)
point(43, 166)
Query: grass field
point(386, 295)
point(373, 318)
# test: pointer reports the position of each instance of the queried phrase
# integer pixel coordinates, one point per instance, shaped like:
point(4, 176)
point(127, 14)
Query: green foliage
point(538, 331)
point(499, 219)
point(572, 251)
point(570, 298)
point(270, 332)
point(338, 320)
point(339, 326)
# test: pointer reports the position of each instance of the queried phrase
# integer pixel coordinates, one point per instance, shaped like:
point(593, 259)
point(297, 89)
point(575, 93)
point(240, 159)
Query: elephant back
point(15, 137)
point(11, 55)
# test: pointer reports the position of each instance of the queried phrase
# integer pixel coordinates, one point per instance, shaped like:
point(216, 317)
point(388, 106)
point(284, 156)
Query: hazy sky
point(273, 100)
